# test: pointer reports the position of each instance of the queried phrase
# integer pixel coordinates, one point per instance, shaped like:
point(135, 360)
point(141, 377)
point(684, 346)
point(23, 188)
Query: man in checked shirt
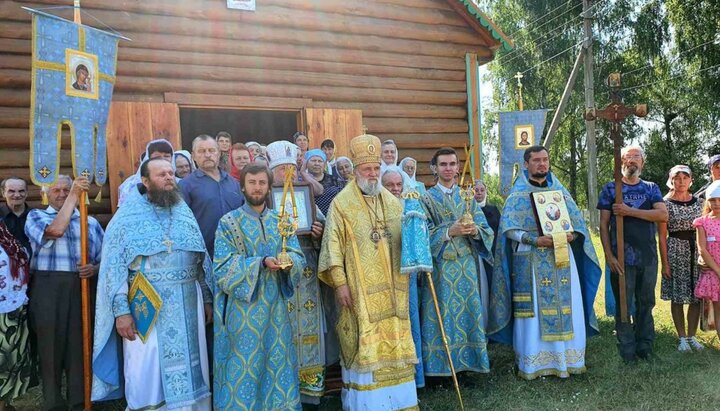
point(54, 235)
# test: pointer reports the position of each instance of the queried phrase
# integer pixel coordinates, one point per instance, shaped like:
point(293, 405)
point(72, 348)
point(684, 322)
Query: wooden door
point(131, 125)
point(340, 125)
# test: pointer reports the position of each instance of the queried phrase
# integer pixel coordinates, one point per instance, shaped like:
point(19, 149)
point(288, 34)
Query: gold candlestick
point(467, 192)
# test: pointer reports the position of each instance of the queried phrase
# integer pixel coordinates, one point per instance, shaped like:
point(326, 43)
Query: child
point(708, 243)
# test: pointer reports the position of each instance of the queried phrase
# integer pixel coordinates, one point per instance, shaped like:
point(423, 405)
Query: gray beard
point(162, 198)
point(368, 188)
point(630, 172)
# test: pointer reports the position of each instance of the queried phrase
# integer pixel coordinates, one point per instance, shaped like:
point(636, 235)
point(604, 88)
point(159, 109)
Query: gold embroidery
point(378, 385)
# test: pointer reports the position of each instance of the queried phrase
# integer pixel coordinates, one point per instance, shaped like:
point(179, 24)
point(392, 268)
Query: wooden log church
point(406, 69)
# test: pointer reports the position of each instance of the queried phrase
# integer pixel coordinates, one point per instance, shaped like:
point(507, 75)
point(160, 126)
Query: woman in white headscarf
point(184, 163)
point(409, 166)
point(159, 148)
point(388, 154)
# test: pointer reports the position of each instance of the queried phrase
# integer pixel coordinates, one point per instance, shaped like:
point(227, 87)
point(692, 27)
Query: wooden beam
point(413, 125)
point(398, 110)
point(216, 100)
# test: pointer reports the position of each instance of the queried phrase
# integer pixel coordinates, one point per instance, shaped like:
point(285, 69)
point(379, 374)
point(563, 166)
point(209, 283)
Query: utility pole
point(592, 193)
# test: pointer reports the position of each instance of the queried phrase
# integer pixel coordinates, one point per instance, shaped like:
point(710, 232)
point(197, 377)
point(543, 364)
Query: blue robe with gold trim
point(511, 281)
point(455, 277)
point(255, 361)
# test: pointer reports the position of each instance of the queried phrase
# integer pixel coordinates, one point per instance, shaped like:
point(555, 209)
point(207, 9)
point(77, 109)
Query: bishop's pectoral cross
point(168, 243)
point(616, 112)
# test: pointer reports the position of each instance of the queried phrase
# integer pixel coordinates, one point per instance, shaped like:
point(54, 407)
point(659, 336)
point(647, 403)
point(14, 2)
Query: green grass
point(677, 382)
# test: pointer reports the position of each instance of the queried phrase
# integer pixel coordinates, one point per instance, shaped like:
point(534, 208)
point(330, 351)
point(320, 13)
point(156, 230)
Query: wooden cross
point(616, 112)
point(519, 77)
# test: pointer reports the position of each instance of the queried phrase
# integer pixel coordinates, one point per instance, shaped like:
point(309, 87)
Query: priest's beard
point(368, 188)
point(631, 171)
point(163, 198)
point(539, 174)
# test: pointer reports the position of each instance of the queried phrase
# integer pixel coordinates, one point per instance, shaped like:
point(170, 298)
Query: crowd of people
point(197, 308)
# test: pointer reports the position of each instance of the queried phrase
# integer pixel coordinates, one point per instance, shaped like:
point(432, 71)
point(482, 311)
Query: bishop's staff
point(616, 112)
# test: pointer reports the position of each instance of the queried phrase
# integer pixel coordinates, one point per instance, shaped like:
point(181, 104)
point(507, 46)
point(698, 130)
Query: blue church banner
point(73, 73)
point(518, 131)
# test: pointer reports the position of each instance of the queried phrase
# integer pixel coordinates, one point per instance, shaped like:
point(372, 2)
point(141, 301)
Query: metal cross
point(168, 243)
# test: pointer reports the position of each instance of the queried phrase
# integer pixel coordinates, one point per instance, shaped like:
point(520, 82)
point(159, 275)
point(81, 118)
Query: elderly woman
point(344, 168)
point(15, 363)
point(254, 148)
point(678, 256)
point(183, 163)
point(409, 166)
point(388, 154)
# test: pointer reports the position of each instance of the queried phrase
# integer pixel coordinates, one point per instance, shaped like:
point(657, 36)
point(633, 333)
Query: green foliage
point(655, 42)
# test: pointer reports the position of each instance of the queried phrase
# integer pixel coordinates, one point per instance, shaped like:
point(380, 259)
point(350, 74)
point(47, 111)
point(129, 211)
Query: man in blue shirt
point(642, 208)
point(208, 191)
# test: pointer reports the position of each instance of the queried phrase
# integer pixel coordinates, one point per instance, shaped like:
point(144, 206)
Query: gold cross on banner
point(546, 282)
point(85, 173)
point(44, 172)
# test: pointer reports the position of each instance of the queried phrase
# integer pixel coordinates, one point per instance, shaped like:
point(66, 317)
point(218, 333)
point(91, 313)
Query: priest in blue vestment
point(541, 302)
point(151, 291)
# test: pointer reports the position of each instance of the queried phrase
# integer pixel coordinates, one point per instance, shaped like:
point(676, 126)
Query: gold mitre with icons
point(365, 148)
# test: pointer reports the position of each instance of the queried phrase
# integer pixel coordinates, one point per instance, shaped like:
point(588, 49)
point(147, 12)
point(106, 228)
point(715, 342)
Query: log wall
point(402, 62)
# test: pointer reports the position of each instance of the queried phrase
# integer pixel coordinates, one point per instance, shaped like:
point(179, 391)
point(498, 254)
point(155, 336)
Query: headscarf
point(383, 166)
point(187, 156)
point(402, 166)
point(316, 152)
point(19, 261)
point(248, 145)
point(234, 171)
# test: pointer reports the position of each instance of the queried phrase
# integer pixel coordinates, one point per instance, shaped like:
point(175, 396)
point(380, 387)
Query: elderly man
point(54, 234)
point(315, 162)
point(15, 211)
point(159, 148)
point(457, 246)
point(255, 361)
point(308, 305)
point(394, 181)
point(209, 191)
point(541, 302)
point(153, 245)
point(642, 208)
point(361, 236)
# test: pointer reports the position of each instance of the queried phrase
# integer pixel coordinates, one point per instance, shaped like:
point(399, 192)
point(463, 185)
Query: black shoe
point(648, 356)
point(630, 360)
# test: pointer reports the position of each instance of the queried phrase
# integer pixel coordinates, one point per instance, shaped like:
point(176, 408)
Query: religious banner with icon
point(518, 131)
point(145, 304)
point(73, 73)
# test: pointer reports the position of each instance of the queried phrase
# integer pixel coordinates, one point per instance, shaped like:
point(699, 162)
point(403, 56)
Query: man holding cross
point(641, 209)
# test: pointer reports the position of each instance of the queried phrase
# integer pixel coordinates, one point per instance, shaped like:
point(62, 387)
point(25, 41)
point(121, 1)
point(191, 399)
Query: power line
point(555, 56)
point(650, 65)
point(562, 30)
point(671, 78)
point(541, 17)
